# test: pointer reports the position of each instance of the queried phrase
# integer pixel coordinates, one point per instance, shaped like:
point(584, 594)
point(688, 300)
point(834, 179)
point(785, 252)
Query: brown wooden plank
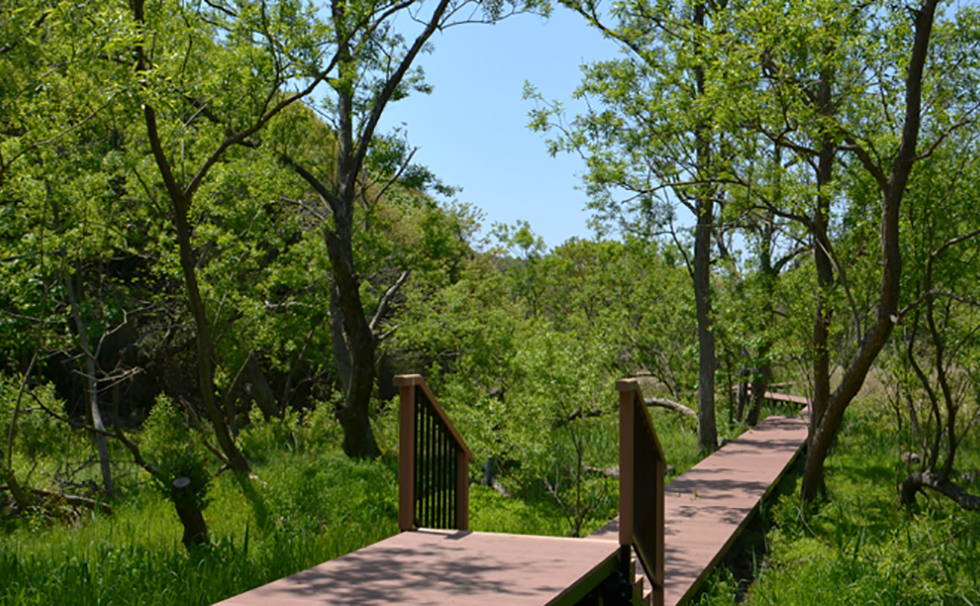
point(446, 567)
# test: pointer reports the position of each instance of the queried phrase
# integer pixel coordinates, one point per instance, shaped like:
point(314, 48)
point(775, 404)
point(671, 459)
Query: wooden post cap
point(627, 385)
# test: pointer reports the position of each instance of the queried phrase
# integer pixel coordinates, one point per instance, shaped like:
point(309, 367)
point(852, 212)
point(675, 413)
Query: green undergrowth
point(857, 545)
point(302, 508)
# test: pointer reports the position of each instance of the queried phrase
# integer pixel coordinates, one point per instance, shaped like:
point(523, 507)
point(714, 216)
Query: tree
point(224, 80)
point(654, 139)
point(845, 115)
point(374, 68)
point(934, 362)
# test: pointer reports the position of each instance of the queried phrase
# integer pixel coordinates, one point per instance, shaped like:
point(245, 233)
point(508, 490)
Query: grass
point(307, 507)
point(856, 545)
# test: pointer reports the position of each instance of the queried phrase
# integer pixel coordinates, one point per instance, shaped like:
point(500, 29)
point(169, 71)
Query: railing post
point(626, 389)
point(635, 494)
point(406, 451)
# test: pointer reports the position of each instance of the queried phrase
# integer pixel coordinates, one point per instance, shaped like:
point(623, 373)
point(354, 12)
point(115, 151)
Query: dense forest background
point(207, 246)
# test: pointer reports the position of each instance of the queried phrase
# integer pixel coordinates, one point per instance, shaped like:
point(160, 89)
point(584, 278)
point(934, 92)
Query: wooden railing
point(641, 487)
point(433, 462)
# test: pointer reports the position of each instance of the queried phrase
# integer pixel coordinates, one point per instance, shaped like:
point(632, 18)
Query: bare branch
point(386, 299)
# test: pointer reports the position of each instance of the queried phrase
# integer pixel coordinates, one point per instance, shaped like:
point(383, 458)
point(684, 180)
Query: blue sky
point(472, 130)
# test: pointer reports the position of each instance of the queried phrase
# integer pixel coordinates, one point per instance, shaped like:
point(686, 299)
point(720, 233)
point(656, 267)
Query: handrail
point(433, 462)
point(641, 487)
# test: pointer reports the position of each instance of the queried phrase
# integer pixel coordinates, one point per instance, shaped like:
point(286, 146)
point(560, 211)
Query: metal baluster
point(445, 480)
point(442, 477)
point(439, 471)
point(437, 475)
point(428, 466)
point(432, 467)
point(452, 482)
point(425, 467)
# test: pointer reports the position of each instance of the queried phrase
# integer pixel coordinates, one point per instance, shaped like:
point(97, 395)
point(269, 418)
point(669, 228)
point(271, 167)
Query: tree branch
point(386, 299)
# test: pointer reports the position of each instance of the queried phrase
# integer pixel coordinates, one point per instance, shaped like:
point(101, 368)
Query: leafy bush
point(176, 453)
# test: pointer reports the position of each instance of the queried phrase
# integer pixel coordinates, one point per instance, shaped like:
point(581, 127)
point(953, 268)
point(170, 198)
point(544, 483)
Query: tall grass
point(305, 507)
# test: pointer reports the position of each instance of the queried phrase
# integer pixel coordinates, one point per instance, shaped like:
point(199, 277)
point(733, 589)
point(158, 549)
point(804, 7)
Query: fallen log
point(659, 402)
point(73, 499)
point(670, 405)
point(917, 480)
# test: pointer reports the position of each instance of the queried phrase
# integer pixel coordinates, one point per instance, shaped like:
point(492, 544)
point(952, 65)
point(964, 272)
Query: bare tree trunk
point(91, 391)
point(205, 342)
point(917, 480)
point(354, 340)
point(762, 377)
point(90, 378)
point(258, 387)
point(23, 498)
point(195, 528)
point(707, 428)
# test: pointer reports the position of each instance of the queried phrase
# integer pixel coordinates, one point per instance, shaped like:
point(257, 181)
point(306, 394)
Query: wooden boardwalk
point(705, 509)
point(448, 567)
point(708, 506)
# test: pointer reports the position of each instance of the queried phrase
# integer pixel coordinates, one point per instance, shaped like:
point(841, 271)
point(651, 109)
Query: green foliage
point(175, 452)
point(37, 436)
point(310, 431)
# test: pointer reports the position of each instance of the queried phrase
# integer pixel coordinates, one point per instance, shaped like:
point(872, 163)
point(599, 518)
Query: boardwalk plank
point(430, 567)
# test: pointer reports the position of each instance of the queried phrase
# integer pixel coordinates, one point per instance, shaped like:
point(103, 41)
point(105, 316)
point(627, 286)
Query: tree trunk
point(91, 380)
point(707, 429)
point(258, 387)
point(670, 405)
point(353, 339)
point(180, 203)
point(354, 347)
point(24, 499)
point(825, 273)
point(893, 189)
point(92, 392)
point(195, 528)
point(917, 480)
point(205, 343)
point(761, 379)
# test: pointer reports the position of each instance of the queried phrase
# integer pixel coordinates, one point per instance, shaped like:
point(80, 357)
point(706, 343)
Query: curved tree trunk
point(918, 480)
point(893, 186)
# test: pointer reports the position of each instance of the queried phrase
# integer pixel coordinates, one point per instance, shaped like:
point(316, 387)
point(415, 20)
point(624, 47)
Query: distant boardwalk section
point(709, 505)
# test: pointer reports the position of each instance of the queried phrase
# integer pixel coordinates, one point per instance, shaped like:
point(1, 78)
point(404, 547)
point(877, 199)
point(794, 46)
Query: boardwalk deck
point(448, 567)
point(708, 506)
point(705, 509)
